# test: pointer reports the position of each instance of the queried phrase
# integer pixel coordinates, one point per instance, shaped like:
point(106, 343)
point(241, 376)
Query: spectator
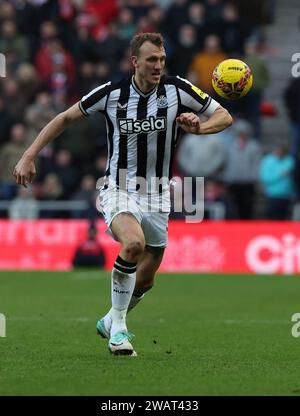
point(176, 16)
point(51, 190)
point(111, 48)
point(33, 14)
point(13, 44)
point(47, 31)
point(139, 8)
point(99, 168)
point(24, 206)
point(205, 62)
point(232, 31)
point(242, 167)
point(56, 68)
point(215, 192)
point(252, 101)
point(15, 102)
point(85, 48)
point(186, 48)
point(90, 252)
point(87, 77)
point(144, 25)
point(7, 11)
point(156, 17)
point(292, 102)
point(203, 158)
point(214, 9)
point(124, 70)
point(98, 14)
point(81, 150)
point(196, 17)
point(9, 155)
point(28, 81)
point(67, 174)
point(276, 176)
point(39, 114)
point(87, 193)
point(127, 27)
point(103, 71)
point(6, 123)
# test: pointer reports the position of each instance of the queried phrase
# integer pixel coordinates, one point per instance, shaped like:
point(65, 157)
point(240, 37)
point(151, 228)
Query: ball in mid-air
point(232, 79)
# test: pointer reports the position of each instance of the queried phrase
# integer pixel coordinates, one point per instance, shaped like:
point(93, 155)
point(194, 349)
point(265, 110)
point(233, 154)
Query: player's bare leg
point(128, 232)
point(147, 266)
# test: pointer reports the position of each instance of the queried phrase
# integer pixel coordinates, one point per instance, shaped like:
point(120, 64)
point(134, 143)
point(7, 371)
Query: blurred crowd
point(58, 50)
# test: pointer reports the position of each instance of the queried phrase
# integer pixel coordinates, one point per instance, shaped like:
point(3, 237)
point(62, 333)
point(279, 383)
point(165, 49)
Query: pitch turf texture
point(195, 335)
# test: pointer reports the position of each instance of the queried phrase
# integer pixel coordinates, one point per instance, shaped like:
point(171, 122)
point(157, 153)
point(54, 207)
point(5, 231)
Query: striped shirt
point(142, 132)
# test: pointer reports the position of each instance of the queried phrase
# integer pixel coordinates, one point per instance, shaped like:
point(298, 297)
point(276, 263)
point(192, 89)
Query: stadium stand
point(56, 51)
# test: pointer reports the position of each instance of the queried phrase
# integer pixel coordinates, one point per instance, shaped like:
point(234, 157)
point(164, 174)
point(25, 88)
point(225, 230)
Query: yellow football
point(232, 79)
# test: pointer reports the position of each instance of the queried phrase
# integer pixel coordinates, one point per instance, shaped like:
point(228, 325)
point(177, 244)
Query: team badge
point(162, 101)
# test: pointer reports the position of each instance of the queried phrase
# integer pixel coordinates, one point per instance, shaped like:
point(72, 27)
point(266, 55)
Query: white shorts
point(151, 212)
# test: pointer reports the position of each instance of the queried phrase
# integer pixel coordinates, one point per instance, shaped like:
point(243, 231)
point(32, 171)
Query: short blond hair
point(138, 40)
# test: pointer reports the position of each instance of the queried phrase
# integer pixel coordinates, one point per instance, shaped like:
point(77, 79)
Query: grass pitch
point(195, 335)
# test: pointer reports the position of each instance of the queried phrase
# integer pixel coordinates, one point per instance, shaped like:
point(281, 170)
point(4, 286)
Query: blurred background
point(58, 50)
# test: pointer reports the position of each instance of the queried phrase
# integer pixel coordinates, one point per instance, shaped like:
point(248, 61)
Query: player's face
point(150, 63)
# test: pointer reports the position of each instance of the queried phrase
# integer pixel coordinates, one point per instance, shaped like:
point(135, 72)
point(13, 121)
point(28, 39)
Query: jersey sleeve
point(95, 100)
point(194, 98)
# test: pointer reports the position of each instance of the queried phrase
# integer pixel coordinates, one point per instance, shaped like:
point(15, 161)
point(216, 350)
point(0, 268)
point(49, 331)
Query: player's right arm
point(24, 171)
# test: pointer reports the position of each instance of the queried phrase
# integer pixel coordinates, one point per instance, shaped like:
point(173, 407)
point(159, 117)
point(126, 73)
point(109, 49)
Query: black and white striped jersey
point(141, 128)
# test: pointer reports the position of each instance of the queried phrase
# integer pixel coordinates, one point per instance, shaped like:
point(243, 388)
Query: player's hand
point(189, 122)
point(24, 172)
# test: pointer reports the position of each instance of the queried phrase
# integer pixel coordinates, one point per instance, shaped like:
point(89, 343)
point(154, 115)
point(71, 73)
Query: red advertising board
point(208, 247)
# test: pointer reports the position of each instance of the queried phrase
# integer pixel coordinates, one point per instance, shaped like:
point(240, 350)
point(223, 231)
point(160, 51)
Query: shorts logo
point(162, 101)
point(130, 126)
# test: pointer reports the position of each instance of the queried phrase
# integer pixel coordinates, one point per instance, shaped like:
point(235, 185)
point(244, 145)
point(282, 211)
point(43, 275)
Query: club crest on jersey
point(130, 126)
point(162, 101)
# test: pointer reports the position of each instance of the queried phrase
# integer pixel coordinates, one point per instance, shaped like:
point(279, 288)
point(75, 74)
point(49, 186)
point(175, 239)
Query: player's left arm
point(219, 120)
point(199, 102)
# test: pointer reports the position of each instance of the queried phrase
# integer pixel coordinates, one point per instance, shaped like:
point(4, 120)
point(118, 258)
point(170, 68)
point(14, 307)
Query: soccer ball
point(232, 79)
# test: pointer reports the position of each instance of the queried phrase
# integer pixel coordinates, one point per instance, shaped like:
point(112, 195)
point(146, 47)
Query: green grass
point(195, 335)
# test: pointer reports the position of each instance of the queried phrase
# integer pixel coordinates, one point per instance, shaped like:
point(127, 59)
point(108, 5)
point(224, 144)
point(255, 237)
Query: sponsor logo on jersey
point(122, 106)
point(130, 126)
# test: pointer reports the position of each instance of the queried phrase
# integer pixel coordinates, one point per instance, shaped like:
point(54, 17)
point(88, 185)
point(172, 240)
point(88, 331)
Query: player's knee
point(133, 249)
